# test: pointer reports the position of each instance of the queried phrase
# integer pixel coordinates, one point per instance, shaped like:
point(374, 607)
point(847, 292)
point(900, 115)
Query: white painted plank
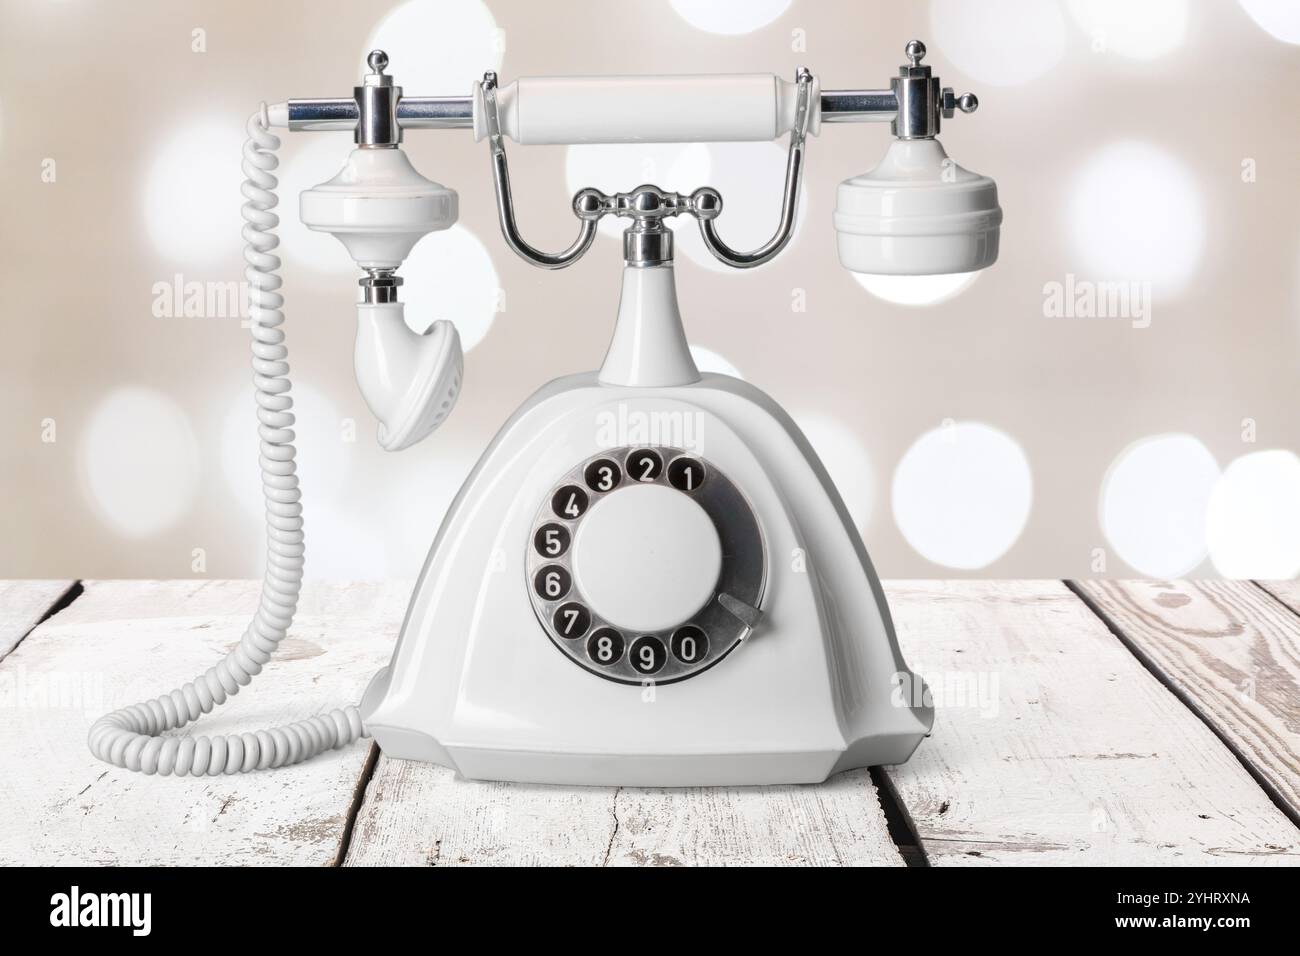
point(419, 815)
point(22, 604)
point(1288, 592)
point(1075, 754)
point(416, 814)
point(124, 641)
point(1233, 650)
point(837, 823)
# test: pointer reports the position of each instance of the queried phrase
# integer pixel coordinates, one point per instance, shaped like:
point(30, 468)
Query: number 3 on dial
point(602, 475)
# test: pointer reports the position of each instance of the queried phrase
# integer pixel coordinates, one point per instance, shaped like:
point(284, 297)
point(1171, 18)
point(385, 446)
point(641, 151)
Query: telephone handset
point(648, 578)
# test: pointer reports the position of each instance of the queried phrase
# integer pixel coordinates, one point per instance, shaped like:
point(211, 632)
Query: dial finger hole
point(552, 582)
point(690, 644)
point(686, 474)
point(603, 475)
point(605, 646)
point(551, 540)
point(648, 655)
point(644, 464)
point(569, 502)
point(571, 620)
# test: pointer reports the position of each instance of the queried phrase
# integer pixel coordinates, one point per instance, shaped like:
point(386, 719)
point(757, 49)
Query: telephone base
point(659, 770)
point(788, 672)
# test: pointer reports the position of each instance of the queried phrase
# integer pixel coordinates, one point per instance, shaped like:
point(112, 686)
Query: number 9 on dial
point(648, 655)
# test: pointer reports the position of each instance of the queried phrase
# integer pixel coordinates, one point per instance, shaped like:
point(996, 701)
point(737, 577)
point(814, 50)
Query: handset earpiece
point(379, 207)
point(410, 381)
point(917, 212)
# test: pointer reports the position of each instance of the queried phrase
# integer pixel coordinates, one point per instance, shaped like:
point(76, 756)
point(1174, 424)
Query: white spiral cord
point(132, 736)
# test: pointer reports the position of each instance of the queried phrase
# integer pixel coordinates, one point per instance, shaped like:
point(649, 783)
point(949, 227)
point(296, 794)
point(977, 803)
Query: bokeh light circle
point(962, 494)
point(1153, 504)
point(139, 461)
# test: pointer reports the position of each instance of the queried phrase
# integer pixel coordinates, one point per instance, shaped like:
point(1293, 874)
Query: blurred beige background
point(973, 428)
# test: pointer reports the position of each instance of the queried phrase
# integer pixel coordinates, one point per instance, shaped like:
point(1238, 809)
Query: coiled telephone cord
point(131, 737)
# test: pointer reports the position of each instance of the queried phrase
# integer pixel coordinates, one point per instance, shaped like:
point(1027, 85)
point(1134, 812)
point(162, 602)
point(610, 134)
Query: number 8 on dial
point(605, 646)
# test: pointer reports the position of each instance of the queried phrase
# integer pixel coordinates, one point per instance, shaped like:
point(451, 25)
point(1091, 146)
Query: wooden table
point(1098, 722)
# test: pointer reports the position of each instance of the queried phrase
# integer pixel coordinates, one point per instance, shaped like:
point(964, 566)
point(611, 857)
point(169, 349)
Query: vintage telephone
point(648, 578)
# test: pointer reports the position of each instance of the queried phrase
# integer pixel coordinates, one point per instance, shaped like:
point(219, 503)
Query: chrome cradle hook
point(789, 202)
point(505, 203)
point(589, 205)
point(914, 104)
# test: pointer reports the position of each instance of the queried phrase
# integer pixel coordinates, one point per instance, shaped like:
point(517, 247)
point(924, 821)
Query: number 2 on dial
point(644, 465)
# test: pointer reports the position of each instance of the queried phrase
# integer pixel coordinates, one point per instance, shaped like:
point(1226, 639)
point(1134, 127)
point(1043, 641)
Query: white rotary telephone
point(648, 578)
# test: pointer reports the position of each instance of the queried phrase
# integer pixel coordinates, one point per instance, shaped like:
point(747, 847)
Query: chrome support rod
point(413, 112)
point(858, 106)
point(457, 112)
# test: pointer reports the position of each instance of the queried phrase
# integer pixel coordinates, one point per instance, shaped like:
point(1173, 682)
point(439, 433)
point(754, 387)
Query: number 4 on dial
point(569, 502)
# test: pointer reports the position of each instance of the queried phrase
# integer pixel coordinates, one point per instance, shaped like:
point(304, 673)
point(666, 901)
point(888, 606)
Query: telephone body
point(649, 577)
point(795, 677)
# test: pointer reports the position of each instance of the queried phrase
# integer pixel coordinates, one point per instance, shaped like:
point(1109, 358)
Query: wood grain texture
point(1054, 745)
point(1233, 651)
point(121, 642)
point(1288, 592)
point(22, 604)
point(1065, 749)
point(419, 815)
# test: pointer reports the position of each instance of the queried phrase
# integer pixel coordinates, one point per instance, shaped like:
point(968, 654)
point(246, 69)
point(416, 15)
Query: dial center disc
point(647, 557)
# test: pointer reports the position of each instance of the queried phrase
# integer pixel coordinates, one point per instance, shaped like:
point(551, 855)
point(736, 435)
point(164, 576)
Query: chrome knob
point(589, 204)
point(706, 203)
point(376, 100)
point(950, 103)
point(647, 204)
